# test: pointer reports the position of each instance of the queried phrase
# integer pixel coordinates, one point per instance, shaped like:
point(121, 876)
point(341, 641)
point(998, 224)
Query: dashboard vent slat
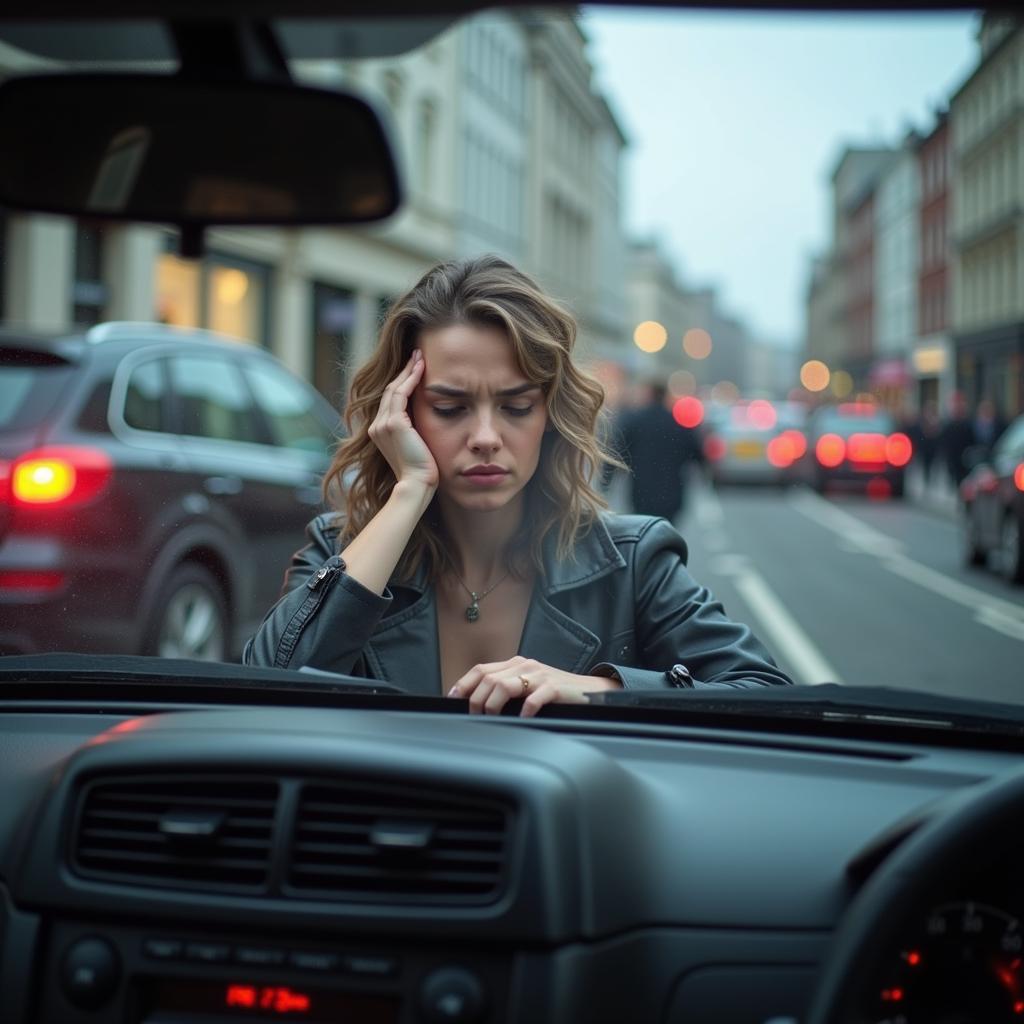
point(334, 855)
point(124, 832)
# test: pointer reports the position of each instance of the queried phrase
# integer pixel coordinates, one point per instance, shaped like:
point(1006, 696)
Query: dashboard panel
point(199, 866)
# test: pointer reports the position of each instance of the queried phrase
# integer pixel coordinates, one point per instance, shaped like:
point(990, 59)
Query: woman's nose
point(484, 435)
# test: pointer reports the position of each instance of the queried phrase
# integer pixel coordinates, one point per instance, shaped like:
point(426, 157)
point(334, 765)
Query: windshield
point(795, 235)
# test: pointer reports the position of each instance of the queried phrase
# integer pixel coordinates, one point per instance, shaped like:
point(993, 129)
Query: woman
point(473, 557)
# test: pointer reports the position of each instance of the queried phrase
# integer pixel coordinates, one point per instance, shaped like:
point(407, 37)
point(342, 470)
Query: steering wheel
point(978, 823)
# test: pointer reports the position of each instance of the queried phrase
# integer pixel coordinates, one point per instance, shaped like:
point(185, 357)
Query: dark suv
point(153, 482)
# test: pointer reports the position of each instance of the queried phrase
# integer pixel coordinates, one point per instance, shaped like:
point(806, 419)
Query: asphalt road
point(846, 589)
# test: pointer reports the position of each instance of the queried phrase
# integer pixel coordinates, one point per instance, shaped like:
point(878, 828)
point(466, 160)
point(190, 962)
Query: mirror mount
point(239, 50)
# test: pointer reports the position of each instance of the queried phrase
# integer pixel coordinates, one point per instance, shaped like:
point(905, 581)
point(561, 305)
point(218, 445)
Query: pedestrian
point(988, 425)
point(925, 440)
point(474, 556)
point(956, 437)
point(659, 453)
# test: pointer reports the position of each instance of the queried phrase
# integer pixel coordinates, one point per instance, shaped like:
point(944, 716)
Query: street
point(845, 589)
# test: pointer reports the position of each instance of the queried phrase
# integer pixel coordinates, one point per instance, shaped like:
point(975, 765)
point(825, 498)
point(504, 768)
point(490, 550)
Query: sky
point(736, 120)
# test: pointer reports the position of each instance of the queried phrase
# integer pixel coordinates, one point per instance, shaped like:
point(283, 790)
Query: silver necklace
point(473, 608)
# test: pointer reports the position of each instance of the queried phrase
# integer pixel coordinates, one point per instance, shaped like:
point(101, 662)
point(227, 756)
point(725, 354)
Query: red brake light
point(830, 450)
point(1018, 477)
point(798, 443)
point(714, 448)
point(688, 411)
point(898, 449)
point(59, 476)
point(866, 448)
point(780, 451)
point(31, 579)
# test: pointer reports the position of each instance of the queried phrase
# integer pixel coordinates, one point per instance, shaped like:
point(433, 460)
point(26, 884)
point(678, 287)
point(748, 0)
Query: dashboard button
point(323, 962)
point(451, 995)
point(90, 972)
point(163, 949)
point(371, 966)
point(258, 956)
point(208, 952)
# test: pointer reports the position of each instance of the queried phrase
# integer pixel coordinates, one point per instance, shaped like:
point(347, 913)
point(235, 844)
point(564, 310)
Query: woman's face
point(481, 419)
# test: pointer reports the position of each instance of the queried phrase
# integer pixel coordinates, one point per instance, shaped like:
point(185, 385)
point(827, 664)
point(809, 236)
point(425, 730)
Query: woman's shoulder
point(623, 527)
point(324, 530)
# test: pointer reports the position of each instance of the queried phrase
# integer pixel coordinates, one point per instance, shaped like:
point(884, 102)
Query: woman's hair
point(482, 292)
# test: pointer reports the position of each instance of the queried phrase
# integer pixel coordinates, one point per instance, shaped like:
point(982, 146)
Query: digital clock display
point(243, 999)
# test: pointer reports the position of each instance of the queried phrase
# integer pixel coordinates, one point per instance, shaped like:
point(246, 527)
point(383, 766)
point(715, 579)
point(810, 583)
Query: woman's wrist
point(415, 493)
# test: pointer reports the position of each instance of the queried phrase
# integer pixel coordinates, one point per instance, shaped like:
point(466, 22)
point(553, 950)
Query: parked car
point(856, 444)
point(149, 479)
point(755, 442)
point(993, 505)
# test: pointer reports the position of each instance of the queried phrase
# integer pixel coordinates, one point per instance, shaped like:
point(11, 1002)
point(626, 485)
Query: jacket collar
point(594, 555)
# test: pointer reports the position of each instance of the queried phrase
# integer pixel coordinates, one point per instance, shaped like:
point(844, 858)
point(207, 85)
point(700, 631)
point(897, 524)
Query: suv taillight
point(898, 449)
point(58, 476)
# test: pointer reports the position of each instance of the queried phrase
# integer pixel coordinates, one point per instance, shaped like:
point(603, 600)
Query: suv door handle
point(223, 484)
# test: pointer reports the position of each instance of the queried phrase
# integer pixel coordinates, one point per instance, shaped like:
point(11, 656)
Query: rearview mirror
point(192, 152)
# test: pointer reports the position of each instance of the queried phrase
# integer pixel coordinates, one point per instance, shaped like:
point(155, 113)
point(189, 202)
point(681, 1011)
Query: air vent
point(371, 842)
point(212, 833)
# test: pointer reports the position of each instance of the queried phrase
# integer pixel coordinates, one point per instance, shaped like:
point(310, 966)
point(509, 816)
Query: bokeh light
point(725, 392)
point(814, 375)
point(697, 343)
point(688, 411)
point(762, 414)
point(650, 336)
point(842, 384)
point(682, 382)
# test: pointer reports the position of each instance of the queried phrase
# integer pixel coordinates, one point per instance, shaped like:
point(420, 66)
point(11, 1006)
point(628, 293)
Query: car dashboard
point(207, 865)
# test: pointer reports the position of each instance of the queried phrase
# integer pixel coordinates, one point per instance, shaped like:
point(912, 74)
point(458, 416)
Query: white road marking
point(787, 637)
point(989, 610)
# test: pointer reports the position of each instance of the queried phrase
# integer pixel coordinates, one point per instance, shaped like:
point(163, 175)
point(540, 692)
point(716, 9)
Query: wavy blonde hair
point(483, 292)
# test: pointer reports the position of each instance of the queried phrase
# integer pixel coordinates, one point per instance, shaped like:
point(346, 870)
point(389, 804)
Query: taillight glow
point(866, 448)
point(898, 449)
point(830, 450)
point(780, 452)
point(31, 579)
point(1018, 477)
point(688, 411)
point(59, 476)
point(714, 448)
point(797, 442)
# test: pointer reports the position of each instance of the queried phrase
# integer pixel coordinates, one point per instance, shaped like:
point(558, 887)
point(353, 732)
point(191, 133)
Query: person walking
point(956, 437)
point(659, 453)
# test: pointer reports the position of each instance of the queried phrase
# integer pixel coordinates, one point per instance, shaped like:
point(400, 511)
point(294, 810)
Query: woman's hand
point(488, 688)
point(393, 433)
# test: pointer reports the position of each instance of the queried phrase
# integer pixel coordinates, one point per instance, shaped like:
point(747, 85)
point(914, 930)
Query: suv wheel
point(974, 553)
point(192, 618)
point(1011, 550)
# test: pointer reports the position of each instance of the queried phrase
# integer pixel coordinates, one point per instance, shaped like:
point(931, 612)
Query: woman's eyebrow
point(450, 392)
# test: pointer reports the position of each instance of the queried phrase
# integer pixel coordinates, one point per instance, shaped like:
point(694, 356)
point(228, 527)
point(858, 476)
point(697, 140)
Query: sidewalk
point(940, 496)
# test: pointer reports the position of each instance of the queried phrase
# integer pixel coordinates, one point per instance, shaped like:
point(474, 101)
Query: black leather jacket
point(625, 603)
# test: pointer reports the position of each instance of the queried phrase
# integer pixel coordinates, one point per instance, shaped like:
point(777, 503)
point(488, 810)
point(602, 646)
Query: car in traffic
point(992, 497)
point(856, 445)
point(756, 441)
point(187, 842)
point(147, 474)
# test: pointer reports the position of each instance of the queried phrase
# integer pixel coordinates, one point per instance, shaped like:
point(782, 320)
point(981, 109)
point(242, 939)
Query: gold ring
point(526, 685)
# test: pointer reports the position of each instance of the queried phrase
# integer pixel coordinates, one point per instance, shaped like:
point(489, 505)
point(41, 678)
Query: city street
point(849, 590)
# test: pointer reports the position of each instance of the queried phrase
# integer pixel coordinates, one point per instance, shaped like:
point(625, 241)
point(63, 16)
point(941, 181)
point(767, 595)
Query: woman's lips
point(486, 477)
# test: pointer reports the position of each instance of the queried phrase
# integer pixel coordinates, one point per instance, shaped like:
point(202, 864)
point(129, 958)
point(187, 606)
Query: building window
point(89, 293)
point(221, 293)
point(425, 132)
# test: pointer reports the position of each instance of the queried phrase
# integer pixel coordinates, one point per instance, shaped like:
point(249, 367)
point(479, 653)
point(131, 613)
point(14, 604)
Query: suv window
point(213, 399)
point(290, 409)
point(144, 399)
point(1012, 441)
point(30, 384)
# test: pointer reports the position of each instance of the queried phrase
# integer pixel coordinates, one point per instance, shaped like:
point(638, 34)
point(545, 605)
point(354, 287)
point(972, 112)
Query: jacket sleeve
point(684, 637)
point(324, 617)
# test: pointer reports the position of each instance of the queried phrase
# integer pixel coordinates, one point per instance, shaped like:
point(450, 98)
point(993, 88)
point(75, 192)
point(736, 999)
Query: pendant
point(473, 612)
